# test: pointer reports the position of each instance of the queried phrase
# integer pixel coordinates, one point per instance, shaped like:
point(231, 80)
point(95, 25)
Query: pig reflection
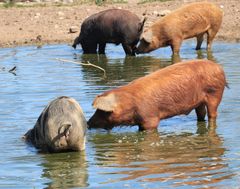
point(174, 90)
point(125, 68)
point(193, 20)
point(65, 171)
point(186, 158)
point(60, 127)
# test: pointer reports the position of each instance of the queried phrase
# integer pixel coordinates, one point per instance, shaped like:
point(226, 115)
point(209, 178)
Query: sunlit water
point(182, 154)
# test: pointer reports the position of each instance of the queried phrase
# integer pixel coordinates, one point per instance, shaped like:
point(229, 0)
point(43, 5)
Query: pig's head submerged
point(60, 127)
point(148, 42)
point(110, 113)
point(65, 125)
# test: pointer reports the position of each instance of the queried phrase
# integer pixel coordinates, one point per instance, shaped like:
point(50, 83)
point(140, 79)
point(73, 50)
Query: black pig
point(110, 26)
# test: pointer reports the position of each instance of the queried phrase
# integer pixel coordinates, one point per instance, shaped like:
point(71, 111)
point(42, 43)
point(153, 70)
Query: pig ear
point(147, 36)
point(106, 103)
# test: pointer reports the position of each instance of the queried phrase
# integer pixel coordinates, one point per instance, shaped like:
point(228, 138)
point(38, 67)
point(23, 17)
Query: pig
point(110, 26)
point(174, 90)
point(60, 127)
point(192, 20)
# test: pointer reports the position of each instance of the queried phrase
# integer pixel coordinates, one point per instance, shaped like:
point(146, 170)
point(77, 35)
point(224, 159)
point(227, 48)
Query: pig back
point(64, 111)
point(112, 25)
point(193, 19)
point(177, 89)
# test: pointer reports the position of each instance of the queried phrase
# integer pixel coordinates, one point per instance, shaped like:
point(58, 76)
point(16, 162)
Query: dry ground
point(50, 24)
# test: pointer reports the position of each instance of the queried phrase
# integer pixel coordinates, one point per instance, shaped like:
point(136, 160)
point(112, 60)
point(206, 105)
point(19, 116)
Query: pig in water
point(193, 20)
point(60, 127)
point(110, 26)
point(174, 90)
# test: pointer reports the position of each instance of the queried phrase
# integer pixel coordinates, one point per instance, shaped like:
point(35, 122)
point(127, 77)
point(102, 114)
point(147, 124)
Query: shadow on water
point(179, 160)
point(65, 170)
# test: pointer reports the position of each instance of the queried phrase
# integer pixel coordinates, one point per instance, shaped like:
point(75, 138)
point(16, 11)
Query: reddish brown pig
point(193, 20)
point(110, 26)
point(174, 90)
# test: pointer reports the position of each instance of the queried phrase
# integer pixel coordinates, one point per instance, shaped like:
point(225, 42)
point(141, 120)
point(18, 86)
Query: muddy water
point(181, 154)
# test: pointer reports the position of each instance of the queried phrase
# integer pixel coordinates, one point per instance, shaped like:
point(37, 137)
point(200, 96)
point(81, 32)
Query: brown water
point(182, 154)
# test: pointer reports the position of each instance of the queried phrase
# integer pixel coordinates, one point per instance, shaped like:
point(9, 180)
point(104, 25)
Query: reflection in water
point(201, 54)
point(196, 159)
point(65, 170)
point(120, 70)
point(185, 159)
point(209, 55)
point(176, 58)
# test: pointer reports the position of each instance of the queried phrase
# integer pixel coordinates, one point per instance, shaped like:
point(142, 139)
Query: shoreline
point(69, 42)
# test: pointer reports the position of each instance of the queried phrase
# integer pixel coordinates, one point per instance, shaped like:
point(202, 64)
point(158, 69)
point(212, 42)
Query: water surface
point(181, 154)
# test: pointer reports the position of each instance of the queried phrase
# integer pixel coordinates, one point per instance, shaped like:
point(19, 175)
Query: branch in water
point(13, 69)
point(84, 64)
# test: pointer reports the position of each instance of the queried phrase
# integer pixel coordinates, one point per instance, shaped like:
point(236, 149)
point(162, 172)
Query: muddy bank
point(51, 24)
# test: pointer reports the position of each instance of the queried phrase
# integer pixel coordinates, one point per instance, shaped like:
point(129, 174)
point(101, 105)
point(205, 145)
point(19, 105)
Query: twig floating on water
point(84, 64)
point(13, 69)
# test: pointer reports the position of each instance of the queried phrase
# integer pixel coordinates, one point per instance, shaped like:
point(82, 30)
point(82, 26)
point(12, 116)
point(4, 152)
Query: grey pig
point(60, 127)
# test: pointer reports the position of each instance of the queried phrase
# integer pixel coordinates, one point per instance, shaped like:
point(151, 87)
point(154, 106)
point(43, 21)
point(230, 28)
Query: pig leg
point(101, 48)
point(176, 44)
point(210, 36)
point(93, 48)
point(201, 112)
point(212, 106)
point(127, 49)
point(89, 48)
point(199, 41)
point(149, 124)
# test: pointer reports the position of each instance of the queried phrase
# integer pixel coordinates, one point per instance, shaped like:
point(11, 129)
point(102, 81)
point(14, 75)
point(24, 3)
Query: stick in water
point(84, 64)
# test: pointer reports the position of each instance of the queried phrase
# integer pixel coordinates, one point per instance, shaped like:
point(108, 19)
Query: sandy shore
point(51, 24)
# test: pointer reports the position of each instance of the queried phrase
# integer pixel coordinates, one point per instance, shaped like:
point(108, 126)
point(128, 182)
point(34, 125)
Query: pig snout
point(74, 46)
point(93, 123)
point(100, 120)
point(141, 48)
point(135, 50)
point(90, 123)
point(76, 42)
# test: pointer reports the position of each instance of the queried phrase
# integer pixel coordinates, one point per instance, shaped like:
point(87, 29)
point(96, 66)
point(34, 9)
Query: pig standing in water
point(60, 127)
point(193, 20)
point(110, 26)
point(174, 90)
